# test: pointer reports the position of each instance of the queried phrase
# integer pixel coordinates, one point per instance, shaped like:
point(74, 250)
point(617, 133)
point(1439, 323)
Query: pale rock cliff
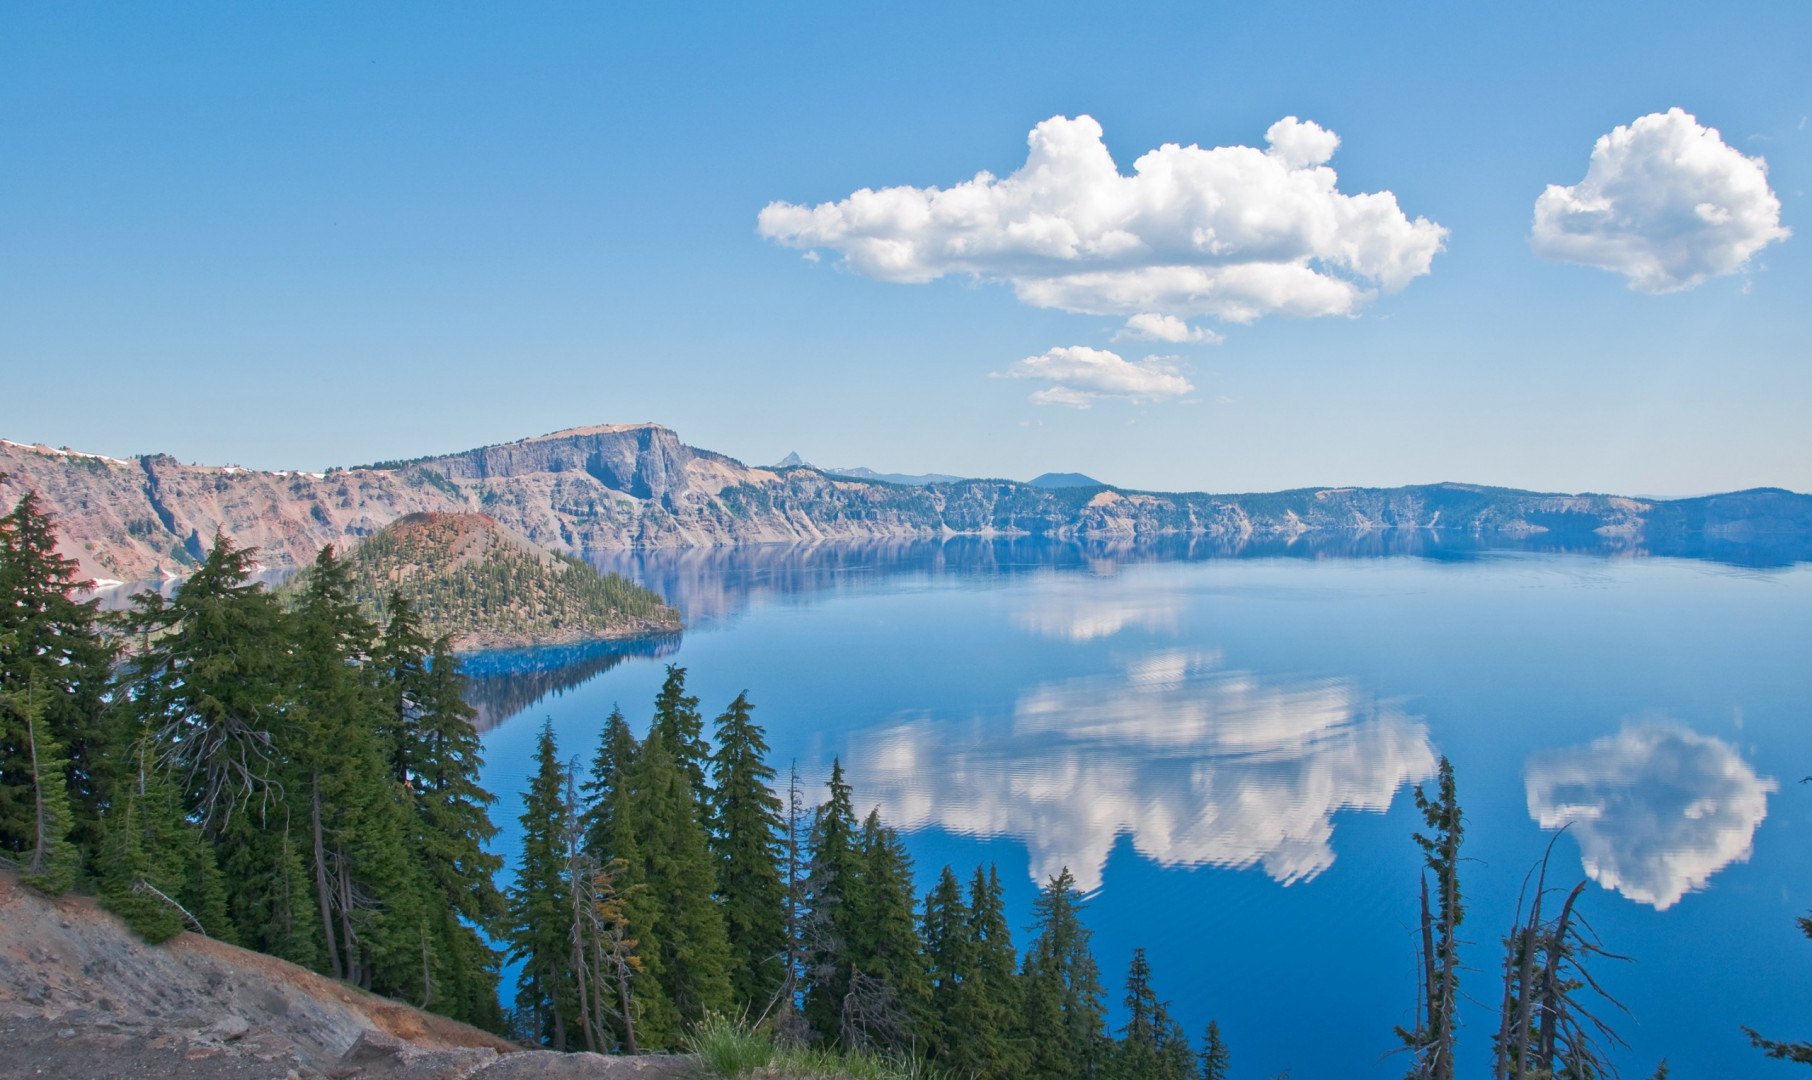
point(616, 487)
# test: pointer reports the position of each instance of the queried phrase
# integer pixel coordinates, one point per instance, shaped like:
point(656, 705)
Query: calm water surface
point(1223, 750)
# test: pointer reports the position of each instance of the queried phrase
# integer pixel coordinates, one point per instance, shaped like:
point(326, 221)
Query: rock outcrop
point(637, 486)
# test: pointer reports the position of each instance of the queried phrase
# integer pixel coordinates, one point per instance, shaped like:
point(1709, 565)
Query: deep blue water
point(1224, 750)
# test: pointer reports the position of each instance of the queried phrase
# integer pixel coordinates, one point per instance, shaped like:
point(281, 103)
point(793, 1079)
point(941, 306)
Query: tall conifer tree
point(687, 931)
point(987, 1000)
point(156, 870)
point(602, 789)
point(210, 687)
point(1152, 1046)
point(540, 909)
point(1215, 1057)
point(884, 934)
point(830, 880)
point(682, 729)
point(369, 895)
point(434, 752)
point(745, 839)
point(949, 965)
point(613, 824)
point(1063, 1026)
point(54, 670)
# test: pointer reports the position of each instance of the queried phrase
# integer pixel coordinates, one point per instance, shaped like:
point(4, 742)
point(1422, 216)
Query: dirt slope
point(82, 996)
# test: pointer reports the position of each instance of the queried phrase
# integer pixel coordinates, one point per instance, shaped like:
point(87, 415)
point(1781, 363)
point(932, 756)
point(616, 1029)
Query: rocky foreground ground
point(81, 996)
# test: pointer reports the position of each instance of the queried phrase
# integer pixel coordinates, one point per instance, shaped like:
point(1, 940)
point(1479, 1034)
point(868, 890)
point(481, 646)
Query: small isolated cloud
point(1081, 375)
point(1656, 809)
point(1665, 203)
point(1150, 327)
point(1232, 232)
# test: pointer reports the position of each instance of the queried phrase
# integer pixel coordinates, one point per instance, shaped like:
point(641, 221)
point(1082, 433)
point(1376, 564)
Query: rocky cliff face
point(637, 486)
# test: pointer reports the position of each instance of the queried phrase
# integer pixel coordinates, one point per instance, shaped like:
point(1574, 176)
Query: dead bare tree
point(143, 886)
point(603, 953)
point(1437, 996)
point(873, 1017)
point(1545, 1028)
point(789, 1024)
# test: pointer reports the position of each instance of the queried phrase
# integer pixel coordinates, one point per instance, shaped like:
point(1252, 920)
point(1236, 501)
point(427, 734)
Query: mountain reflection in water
point(1656, 809)
point(710, 584)
point(505, 682)
point(1200, 765)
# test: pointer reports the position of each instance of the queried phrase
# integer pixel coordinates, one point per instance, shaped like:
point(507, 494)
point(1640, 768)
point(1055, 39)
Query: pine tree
point(745, 838)
point(987, 999)
point(885, 950)
point(603, 794)
point(210, 688)
point(540, 911)
point(51, 862)
point(677, 718)
point(830, 879)
point(1152, 1046)
point(342, 738)
point(1063, 1026)
point(54, 670)
point(949, 964)
point(434, 754)
point(687, 932)
point(156, 869)
point(613, 827)
point(1215, 1058)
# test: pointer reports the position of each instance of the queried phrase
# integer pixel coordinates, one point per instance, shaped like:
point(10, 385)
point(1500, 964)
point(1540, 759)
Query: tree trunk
point(322, 892)
point(355, 971)
point(40, 852)
point(623, 998)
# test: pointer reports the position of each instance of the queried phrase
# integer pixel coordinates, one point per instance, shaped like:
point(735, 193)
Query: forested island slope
point(629, 486)
point(486, 587)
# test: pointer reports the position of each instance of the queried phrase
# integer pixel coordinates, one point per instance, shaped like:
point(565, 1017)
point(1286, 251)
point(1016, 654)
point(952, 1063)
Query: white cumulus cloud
point(1231, 232)
point(1080, 375)
point(1150, 327)
point(1665, 203)
point(1656, 809)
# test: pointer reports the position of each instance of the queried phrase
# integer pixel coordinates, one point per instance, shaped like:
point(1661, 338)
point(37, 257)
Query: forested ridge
point(285, 773)
point(467, 578)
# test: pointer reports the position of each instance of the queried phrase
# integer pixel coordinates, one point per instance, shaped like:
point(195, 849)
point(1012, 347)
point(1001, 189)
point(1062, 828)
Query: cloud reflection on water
point(1656, 809)
point(1074, 610)
point(1202, 766)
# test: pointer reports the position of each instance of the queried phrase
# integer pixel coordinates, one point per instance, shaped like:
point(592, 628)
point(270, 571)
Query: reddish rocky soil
point(81, 996)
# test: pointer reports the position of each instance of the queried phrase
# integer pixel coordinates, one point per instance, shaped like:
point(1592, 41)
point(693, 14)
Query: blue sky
point(297, 237)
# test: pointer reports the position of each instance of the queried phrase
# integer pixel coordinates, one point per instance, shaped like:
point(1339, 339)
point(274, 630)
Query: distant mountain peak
point(792, 461)
point(1064, 480)
point(859, 472)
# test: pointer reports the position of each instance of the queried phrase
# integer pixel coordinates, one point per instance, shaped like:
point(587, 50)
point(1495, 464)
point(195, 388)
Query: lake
point(1223, 750)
